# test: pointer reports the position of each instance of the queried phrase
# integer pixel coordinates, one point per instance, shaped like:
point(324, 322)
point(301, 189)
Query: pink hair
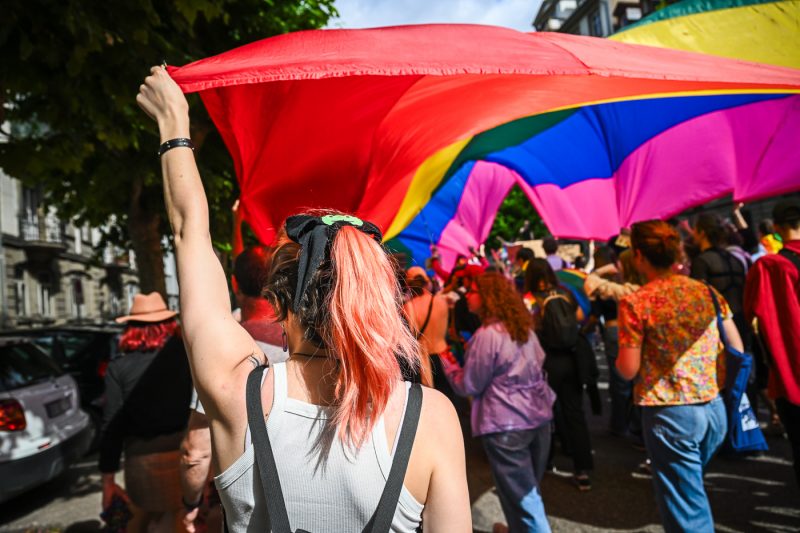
point(366, 331)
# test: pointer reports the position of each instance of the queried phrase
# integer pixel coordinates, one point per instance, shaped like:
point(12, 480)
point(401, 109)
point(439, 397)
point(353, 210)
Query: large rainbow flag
point(766, 31)
point(424, 129)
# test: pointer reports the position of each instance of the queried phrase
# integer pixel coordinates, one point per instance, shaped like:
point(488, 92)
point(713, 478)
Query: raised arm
point(216, 344)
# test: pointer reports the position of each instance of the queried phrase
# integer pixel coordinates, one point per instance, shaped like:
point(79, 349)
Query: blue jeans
point(680, 440)
point(518, 460)
point(619, 388)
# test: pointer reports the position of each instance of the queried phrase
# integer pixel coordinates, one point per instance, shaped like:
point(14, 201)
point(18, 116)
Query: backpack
point(559, 325)
point(791, 256)
point(737, 278)
point(794, 258)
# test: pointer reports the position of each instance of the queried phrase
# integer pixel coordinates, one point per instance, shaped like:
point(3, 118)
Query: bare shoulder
point(440, 299)
point(438, 417)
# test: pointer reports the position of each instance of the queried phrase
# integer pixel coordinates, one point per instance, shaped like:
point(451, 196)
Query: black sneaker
point(643, 471)
point(583, 482)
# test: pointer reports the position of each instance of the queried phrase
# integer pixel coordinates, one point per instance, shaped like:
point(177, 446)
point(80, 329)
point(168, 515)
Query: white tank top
point(326, 486)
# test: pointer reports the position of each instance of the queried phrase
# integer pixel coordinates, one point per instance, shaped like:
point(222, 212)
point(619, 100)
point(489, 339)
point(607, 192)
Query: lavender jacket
point(505, 379)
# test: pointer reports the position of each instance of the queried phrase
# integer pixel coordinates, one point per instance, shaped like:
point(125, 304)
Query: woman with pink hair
point(347, 445)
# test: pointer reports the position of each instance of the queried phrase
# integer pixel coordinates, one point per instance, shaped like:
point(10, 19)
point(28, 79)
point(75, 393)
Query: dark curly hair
point(281, 286)
point(712, 228)
point(500, 300)
point(251, 269)
point(538, 271)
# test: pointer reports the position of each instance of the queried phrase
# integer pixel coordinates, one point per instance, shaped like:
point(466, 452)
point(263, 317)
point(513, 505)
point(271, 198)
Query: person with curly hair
point(511, 400)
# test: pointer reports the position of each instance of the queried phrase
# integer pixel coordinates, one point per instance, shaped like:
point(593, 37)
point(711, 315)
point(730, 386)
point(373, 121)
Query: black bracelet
point(191, 506)
point(175, 143)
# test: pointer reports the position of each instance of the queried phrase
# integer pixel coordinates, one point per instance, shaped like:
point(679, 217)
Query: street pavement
point(747, 495)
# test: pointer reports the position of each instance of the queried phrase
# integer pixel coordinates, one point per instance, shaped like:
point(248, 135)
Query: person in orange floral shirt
point(670, 342)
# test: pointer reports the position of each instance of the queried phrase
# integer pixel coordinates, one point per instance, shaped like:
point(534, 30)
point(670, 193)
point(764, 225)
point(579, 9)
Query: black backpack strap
point(427, 318)
point(381, 521)
point(737, 279)
point(276, 514)
point(791, 256)
point(277, 517)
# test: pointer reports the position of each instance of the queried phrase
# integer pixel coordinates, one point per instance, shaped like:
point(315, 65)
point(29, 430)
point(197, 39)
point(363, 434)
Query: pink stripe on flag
point(746, 150)
point(751, 151)
point(487, 186)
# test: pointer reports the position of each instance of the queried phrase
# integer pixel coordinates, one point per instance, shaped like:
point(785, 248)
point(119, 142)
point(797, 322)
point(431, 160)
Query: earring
point(284, 338)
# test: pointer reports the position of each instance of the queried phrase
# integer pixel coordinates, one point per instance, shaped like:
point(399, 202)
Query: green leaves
point(69, 74)
point(515, 210)
point(70, 71)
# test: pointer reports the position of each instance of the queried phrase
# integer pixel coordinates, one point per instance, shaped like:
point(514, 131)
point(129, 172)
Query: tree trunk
point(144, 227)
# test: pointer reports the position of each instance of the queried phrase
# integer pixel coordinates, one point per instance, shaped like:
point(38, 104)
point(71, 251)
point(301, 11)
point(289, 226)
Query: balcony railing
point(115, 257)
point(47, 230)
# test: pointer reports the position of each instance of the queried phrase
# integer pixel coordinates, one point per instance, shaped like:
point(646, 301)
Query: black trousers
point(570, 419)
point(790, 418)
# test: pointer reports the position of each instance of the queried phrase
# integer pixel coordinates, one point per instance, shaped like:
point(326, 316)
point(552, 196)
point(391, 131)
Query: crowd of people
point(325, 403)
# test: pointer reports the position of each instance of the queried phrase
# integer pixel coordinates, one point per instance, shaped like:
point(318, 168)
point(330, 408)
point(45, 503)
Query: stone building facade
point(53, 272)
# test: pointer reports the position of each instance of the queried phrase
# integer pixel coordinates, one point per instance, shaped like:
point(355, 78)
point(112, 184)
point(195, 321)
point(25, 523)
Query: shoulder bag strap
point(554, 295)
point(427, 318)
point(277, 517)
point(793, 257)
point(722, 335)
point(381, 521)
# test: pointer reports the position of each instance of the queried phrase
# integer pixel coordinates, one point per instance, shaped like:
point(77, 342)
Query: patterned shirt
point(674, 323)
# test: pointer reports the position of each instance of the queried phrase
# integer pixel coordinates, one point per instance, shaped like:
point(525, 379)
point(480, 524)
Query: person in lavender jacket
point(512, 402)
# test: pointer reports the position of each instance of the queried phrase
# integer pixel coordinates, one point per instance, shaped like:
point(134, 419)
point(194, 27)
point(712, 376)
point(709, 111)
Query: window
point(20, 298)
point(23, 365)
point(73, 344)
point(30, 205)
point(131, 290)
point(115, 308)
point(44, 300)
point(78, 244)
point(77, 297)
point(596, 24)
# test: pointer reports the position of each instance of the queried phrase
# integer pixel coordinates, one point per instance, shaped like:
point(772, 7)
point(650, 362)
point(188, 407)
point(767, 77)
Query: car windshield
point(22, 365)
point(75, 344)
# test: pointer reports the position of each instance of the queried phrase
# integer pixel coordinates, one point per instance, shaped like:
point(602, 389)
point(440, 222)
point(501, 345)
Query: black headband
point(314, 235)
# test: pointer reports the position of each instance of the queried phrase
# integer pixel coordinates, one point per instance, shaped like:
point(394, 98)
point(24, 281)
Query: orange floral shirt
point(674, 323)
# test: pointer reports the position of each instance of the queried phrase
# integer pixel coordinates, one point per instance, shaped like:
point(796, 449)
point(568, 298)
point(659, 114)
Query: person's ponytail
point(366, 331)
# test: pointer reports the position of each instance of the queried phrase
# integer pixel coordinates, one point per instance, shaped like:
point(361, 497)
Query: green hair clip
point(331, 219)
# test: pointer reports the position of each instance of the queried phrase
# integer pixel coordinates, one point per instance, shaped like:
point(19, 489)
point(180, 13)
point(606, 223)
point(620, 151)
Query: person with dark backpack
point(720, 268)
point(559, 323)
point(556, 320)
point(772, 297)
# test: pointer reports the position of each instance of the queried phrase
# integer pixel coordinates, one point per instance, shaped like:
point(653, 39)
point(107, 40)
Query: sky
point(517, 14)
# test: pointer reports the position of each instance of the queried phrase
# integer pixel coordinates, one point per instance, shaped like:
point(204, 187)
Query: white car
point(42, 427)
